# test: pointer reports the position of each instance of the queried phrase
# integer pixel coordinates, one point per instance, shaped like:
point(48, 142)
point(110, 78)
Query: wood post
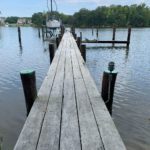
point(29, 86)
point(73, 33)
point(75, 36)
point(42, 33)
point(129, 36)
point(83, 51)
point(39, 32)
point(46, 31)
point(51, 52)
point(59, 37)
point(97, 33)
point(79, 42)
point(92, 31)
point(62, 30)
point(114, 35)
point(81, 36)
point(57, 41)
point(19, 34)
point(108, 85)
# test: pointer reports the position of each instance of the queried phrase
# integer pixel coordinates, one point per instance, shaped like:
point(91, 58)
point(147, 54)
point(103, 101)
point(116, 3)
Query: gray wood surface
point(70, 139)
point(49, 138)
point(29, 136)
point(104, 121)
point(90, 136)
point(69, 113)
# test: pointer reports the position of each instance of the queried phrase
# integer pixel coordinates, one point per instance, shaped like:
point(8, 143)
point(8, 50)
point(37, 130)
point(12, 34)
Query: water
point(13, 58)
point(131, 111)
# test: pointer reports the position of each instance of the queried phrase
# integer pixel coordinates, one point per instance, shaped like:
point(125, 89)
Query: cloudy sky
point(28, 7)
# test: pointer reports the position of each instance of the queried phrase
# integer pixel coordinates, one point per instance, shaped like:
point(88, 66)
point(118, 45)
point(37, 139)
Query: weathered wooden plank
point(69, 112)
point(30, 133)
point(70, 139)
point(110, 136)
point(50, 133)
point(111, 42)
point(90, 137)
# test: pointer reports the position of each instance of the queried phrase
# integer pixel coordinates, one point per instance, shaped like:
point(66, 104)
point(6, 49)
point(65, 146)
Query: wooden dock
point(69, 113)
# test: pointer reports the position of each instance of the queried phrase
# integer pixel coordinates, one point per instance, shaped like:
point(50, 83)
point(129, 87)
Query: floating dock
point(69, 113)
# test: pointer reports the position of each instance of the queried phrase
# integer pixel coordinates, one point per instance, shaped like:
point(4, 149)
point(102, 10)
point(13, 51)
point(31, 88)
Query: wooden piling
point(83, 51)
point(57, 41)
point(29, 86)
point(81, 36)
point(75, 36)
point(62, 30)
point(42, 32)
point(19, 34)
point(129, 36)
point(114, 35)
point(59, 37)
point(92, 31)
point(39, 33)
point(79, 42)
point(97, 33)
point(51, 52)
point(108, 85)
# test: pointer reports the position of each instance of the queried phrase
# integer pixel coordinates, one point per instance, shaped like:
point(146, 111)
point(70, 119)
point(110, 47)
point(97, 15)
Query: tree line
point(103, 16)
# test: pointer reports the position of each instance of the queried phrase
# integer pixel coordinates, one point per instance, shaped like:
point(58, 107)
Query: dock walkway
point(69, 113)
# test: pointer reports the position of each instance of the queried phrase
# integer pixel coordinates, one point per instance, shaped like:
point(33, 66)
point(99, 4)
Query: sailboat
point(53, 24)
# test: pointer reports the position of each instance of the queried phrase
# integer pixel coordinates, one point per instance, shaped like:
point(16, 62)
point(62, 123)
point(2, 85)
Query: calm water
point(13, 59)
point(131, 109)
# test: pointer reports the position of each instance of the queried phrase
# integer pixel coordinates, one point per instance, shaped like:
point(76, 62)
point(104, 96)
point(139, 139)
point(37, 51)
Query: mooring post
point(75, 36)
point(39, 32)
point(92, 31)
point(129, 36)
point(57, 41)
point(19, 34)
point(108, 85)
point(97, 33)
point(42, 33)
point(62, 30)
point(59, 37)
point(51, 52)
point(81, 36)
point(73, 32)
point(28, 79)
point(114, 35)
point(83, 51)
point(79, 42)
point(46, 31)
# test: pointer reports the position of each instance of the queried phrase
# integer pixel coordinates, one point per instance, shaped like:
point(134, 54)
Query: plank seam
point(89, 100)
point(62, 103)
point(48, 101)
point(76, 104)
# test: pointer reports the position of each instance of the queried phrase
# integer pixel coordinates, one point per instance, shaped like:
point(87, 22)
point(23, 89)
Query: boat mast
point(51, 6)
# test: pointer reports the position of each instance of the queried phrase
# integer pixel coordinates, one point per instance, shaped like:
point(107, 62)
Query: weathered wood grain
point(105, 124)
point(90, 136)
point(50, 133)
point(29, 136)
point(69, 113)
point(70, 139)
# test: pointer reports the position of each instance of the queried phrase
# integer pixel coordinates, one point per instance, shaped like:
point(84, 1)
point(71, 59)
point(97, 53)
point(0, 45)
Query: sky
point(25, 8)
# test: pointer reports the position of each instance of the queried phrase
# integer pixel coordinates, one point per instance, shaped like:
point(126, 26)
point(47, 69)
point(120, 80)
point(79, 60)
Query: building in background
point(2, 20)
